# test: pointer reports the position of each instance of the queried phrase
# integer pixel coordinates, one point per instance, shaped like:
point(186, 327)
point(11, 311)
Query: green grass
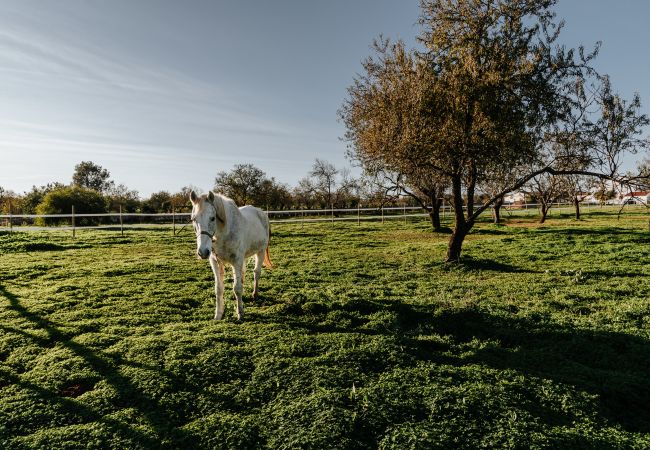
point(362, 338)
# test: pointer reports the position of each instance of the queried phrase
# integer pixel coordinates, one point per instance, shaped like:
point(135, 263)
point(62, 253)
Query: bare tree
point(378, 189)
point(545, 189)
point(616, 130)
point(576, 189)
point(324, 175)
point(304, 193)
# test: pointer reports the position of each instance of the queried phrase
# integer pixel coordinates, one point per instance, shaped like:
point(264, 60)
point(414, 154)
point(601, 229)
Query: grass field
point(362, 338)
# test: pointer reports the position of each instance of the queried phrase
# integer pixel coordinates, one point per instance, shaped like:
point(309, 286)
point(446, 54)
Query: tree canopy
point(489, 92)
point(89, 175)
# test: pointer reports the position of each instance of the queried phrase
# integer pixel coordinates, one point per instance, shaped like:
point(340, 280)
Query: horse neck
point(232, 217)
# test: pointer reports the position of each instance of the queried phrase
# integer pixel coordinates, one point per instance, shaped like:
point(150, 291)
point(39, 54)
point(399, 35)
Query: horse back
point(256, 219)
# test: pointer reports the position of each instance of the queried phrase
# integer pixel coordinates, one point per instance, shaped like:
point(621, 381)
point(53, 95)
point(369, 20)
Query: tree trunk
point(434, 215)
point(543, 211)
point(435, 220)
point(496, 209)
point(576, 203)
point(461, 226)
point(456, 242)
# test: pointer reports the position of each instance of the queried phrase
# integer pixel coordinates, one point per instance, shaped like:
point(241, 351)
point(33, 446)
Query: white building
point(632, 198)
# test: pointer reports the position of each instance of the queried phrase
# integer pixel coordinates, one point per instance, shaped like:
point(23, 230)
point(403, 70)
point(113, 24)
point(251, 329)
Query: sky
point(166, 94)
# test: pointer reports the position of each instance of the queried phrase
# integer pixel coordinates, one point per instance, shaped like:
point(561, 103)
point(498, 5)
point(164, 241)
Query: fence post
point(359, 213)
point(382, 213)
point(332, 205)
point(121, 223)
point(174, 220)
point(404, 211)
point(74, 234)
point(11, 219)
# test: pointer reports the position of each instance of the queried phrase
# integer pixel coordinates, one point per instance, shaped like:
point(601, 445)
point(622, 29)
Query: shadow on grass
point(613, 366)
point(495, 229)
point(627, 234)
point(467, 262)
point(165, 427)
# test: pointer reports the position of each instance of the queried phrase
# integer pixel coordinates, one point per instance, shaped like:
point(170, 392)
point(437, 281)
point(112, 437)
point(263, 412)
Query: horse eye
point(211, 219)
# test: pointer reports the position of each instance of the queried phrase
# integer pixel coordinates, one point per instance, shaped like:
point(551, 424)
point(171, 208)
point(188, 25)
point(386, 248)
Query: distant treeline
point(92, 191)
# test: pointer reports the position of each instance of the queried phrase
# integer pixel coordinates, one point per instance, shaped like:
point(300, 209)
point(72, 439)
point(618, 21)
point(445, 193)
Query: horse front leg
point(217, 269)
point(238, 289)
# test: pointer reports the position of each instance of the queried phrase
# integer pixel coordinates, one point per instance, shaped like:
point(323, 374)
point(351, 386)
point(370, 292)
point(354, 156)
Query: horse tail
point(267, 257)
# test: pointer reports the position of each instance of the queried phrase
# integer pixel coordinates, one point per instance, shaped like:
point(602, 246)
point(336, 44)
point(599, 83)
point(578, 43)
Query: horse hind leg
point(259, 258)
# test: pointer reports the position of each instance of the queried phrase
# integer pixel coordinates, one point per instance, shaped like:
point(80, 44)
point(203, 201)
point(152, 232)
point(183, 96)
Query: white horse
point(230, 235)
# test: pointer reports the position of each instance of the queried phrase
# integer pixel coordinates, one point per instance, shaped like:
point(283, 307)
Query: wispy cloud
point(70, 97)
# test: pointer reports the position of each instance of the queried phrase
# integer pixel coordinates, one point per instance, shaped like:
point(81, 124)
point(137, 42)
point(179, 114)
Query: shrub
point(60, 201)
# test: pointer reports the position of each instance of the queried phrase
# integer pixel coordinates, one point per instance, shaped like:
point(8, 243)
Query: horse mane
point(219, 207)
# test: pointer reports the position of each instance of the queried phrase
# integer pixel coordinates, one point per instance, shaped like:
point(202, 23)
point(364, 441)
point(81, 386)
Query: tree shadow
point(613, 366)
point(491, 265)
point(630, 234)
point(494, 230)
point(166, 428)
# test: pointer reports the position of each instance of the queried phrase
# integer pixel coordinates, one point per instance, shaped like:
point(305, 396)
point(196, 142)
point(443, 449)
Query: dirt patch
point(76, 389)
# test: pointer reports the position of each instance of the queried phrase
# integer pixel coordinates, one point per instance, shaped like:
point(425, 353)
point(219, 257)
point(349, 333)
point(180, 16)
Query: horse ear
point(193, 197)
point(211, 196)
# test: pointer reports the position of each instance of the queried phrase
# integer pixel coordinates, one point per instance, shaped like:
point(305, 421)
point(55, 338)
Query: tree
point(273, 195)
point(61, 200)
point(121, 196)
point(304, 193)
point(496, 180)
point(616, 129)
point(421, 187)
point(576, 189)
point(158, 202)
point(242, 184)
point(545, 189)
point(324, 175)
point(181, 199)
point(347, 190)
point(33, 198)
point(10, 202)
point(89, 175)
point(378, 189)
point(488, 90)
point(603, 194)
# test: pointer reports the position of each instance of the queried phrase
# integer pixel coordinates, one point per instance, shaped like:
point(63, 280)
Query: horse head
point(207, 218)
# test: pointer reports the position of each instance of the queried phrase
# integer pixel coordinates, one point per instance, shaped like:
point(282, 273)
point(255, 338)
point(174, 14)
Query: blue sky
point(165, 93)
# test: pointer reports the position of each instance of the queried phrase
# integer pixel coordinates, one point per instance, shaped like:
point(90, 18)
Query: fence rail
point(169, 220)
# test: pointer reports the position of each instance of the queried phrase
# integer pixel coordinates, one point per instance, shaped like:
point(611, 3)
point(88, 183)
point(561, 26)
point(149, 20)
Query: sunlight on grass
point(361, 338)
